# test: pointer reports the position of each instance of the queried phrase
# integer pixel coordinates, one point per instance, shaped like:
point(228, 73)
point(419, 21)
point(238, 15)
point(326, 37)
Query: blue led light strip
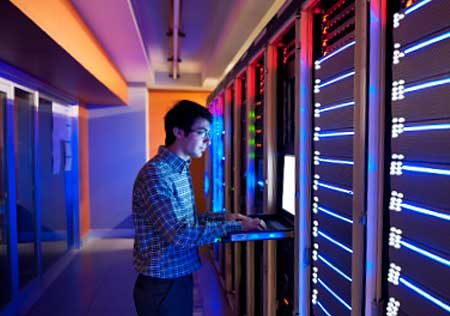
point(425, 253)
point(424, 294)
point(337, 51)
point(427, 85)
point(337, 243)
point(428, 127)
point(344, 76)
point(336, 161)
point(336, 106)
point(416, 6)
point(426, 43)
point(335, 215)
point(323, 309)
point(335, 295)
point(336, 134)
point(334, 188)
point(345, 276)
point(425, 211)
point(441, 172)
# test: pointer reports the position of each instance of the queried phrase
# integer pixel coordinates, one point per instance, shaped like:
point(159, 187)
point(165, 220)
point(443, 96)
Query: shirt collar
point(173, 160)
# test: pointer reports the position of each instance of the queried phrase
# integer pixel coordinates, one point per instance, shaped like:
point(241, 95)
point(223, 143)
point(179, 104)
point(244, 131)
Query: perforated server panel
point(419, 212)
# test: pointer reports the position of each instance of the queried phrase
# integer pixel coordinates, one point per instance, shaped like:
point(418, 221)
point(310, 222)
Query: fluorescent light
point(427, 85)
point(335, 295)
point(425, 253)
point(336, 161)
point(336, 52)
point(345, 276)
point(426, 43)
point(324, 309)
point(336, 106)
point(424, 294)
point(337, 243)
point(342, 218)
point(416, 6)
point(425, 211)
point(335, 188)
point(344, 76)
point(336, 134)
point(436, 171)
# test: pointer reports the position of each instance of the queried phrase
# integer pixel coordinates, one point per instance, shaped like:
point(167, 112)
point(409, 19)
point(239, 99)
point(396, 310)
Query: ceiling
point(218, 32)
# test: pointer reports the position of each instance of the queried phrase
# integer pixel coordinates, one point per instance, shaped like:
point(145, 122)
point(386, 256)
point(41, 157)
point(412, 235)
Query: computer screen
point(289, 175)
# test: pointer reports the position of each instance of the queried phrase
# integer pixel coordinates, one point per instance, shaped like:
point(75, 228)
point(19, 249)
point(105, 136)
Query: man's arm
point(159, 207)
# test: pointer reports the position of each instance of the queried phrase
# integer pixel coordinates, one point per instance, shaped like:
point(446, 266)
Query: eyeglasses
point(202, 132)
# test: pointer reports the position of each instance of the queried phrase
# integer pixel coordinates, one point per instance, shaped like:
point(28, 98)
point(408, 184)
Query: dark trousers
point(163, 297)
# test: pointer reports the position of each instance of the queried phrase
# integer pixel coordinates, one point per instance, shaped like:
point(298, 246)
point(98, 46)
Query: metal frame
point(8, 88)
point(375, 158)
point(238, 173)
point(21, 298)
point(228, 143)
point(303, 151)
point(249, 168)
point(359, 154)
point(270, 177)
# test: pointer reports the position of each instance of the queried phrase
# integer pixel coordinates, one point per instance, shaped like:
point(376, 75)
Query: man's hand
point(253, 224)
point(235, 217)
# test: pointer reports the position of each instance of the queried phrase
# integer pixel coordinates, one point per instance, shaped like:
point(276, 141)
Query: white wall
point(117, 150)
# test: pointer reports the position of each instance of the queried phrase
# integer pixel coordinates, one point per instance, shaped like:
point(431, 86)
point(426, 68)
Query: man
point(168, 230)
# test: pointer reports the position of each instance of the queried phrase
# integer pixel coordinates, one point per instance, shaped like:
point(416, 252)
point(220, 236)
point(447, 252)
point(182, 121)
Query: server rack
point(333, 160)
point(282, 72)
point(332, 169)
point(230, 251)
point(419, 214)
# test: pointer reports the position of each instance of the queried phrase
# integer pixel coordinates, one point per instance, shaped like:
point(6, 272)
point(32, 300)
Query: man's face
point(195, 142)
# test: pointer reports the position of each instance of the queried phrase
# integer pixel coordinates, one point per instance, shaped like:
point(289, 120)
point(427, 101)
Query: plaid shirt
point(168, 231)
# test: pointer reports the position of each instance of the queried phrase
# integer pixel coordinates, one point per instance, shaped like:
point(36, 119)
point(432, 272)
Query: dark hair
point(183, 115)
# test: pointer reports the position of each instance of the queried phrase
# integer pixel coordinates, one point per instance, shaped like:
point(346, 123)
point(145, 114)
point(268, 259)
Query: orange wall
point(85, 211)
point(60, 20)
point(159, 103)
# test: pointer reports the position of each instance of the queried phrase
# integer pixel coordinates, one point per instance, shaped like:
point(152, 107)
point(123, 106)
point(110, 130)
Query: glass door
point(5, 284)
point(25, 185)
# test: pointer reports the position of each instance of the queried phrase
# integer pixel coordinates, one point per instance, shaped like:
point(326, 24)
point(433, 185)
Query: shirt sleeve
point(206, 217)
point(159, 207)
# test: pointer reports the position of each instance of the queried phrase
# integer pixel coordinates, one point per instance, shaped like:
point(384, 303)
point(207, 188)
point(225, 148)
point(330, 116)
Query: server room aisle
point(99, 281)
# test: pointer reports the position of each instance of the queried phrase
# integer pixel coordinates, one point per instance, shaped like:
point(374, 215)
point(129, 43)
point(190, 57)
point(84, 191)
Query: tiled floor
point(99, 281)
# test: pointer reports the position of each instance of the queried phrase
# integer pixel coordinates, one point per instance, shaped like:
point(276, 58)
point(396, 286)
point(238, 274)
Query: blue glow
point(337, 161)
point(429, 127)
point(344, 76)
point(426, 43)
point(261, 183)
point(337, 243)
point(345, 276)
point(441, 172)
point(425, 211)
point(217, 172)
point(323, 309)
point(336, 134)
point(336, 106)
point(416, 6)
point(342, 218)
point(206, 180)
point(335, 188)
point(335, 295)
point(337, 51)
point(424, 294)
point(425, 253)
point(258, 236)
point(427, 85)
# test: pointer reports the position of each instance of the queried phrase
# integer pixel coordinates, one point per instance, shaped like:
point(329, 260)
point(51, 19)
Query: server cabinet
point(419, 215)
